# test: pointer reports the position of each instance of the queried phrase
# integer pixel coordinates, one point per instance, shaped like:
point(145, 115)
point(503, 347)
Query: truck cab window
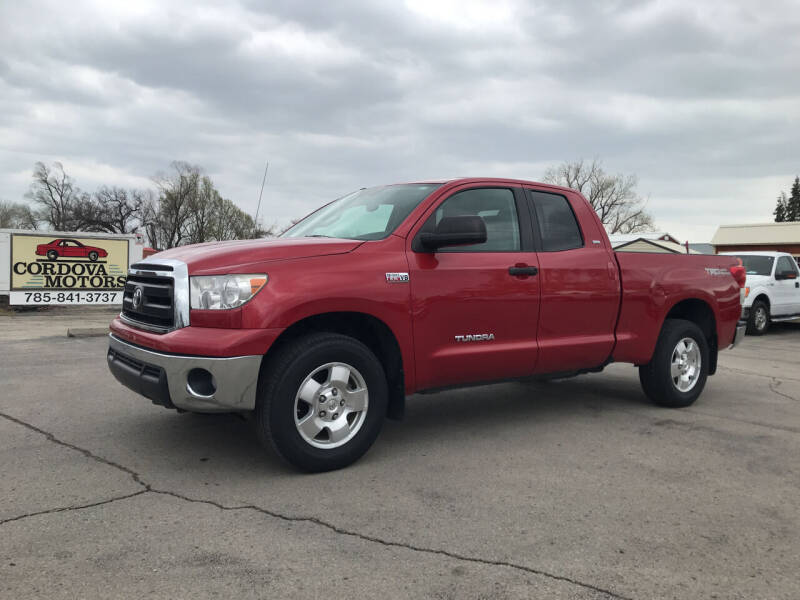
point(497, 208)
point(557, 224)
point(785, 267)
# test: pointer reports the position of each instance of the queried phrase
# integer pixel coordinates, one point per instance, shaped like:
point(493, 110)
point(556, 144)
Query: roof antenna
point(263, 181)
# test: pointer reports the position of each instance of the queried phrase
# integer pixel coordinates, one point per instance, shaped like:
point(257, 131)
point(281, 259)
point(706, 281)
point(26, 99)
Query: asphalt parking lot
point(570, 489)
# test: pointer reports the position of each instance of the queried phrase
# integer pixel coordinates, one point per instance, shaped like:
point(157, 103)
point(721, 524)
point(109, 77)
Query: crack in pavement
point(774, 384)
point(754, 373)
point(84, 451)
point(148, 489)
point(50, 511)
point(392, 544)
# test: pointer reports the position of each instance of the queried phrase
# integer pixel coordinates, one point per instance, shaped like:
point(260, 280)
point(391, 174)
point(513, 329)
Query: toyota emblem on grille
point(137, 298)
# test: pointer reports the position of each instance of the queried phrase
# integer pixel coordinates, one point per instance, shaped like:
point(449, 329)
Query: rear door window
point(557, 224)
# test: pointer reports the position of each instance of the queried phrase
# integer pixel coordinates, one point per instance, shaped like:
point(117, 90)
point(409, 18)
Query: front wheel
point(321, 402)
point(758, 323)
point(93, 256)
point(677, 372)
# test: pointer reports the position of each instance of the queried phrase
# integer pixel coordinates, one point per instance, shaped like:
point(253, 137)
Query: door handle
point(523, 271)
point(797, 284)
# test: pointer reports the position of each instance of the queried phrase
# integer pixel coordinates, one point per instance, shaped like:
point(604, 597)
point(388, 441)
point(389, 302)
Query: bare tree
point(232, 223)
point(614, 197)
point(187, 208)
point(177, 195)
point(60, 201)
point(118, 210)
point(190, 210)
point(113, 210)
point(204, 212)
point(14, 215)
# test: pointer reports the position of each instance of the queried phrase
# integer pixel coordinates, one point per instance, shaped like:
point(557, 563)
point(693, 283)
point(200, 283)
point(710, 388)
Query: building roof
point(702, 248)
point(757, 233)
point(646, 245)
point(623, 238)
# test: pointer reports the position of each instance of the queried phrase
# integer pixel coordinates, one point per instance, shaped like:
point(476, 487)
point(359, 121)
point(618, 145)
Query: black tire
point(280, 382)
point(93, 256)
point(656, 377)
point(757, 325)
point(52, 255)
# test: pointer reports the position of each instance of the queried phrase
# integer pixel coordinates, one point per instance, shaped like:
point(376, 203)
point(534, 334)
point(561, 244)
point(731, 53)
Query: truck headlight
point(222, 292)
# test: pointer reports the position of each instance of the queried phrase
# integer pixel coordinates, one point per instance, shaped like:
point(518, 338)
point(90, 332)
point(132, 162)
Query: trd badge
point(397, 277)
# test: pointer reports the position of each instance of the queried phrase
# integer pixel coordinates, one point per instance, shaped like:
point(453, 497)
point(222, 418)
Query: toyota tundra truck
point(321, 333)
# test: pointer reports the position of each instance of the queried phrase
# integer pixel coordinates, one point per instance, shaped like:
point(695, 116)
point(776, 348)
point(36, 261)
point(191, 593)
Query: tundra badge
point(476, 337)
point(397, 277)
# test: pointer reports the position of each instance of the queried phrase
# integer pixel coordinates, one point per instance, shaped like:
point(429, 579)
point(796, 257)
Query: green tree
point(780, 208)
point(793, 203)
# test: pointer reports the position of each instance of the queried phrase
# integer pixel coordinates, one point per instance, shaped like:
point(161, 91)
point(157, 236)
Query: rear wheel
point(322, 401)
point(677, 372)
point(52, 255)
point(758, 323)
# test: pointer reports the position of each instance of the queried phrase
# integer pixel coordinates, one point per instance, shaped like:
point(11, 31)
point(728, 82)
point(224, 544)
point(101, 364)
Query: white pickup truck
point(772, 289)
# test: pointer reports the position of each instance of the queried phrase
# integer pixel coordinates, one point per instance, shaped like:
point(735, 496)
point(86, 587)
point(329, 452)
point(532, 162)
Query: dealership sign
point(67, 270)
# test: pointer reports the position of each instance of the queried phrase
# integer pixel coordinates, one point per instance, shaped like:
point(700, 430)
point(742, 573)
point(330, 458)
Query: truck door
point(580, 287)
point(787, 288)
point(475, 308)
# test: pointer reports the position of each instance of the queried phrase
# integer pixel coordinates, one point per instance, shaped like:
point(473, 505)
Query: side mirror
point(454, 231)
point(786, 275)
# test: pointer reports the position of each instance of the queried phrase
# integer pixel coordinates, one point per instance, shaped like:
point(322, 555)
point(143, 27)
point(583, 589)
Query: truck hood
point(219, 257)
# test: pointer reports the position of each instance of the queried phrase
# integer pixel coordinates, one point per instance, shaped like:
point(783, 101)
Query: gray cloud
point(701, 100)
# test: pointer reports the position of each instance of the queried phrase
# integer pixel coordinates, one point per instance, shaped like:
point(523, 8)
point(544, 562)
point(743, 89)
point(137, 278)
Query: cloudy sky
point(700, 99)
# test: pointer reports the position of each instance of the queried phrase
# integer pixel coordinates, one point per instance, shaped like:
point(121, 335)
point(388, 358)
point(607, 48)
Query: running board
point(784, 318)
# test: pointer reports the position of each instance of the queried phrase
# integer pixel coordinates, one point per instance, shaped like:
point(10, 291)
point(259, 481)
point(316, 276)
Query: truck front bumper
point(193, 383)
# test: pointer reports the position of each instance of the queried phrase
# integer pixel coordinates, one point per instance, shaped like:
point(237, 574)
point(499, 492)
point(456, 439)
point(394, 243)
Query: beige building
point(776, 237)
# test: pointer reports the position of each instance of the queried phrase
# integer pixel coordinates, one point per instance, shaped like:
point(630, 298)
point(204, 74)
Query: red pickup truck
point(407, 288)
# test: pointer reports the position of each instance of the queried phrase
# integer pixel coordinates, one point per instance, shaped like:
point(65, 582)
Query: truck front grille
point(149, 301)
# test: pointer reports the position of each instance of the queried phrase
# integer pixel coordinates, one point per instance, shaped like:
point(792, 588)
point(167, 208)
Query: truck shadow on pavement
point(491, 411)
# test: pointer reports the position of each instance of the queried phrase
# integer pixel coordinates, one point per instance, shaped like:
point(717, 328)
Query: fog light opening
point(201, 383)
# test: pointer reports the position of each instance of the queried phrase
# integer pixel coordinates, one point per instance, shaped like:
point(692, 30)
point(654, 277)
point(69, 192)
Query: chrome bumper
point(741, 328)
point(164, 378)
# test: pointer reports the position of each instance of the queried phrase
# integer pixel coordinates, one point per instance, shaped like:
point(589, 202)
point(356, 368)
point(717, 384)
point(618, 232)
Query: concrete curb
point(87, 332)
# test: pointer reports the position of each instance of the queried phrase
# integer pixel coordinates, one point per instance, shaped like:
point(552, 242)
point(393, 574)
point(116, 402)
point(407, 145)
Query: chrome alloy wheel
point(686, 364)
point(760, 318)
point(331, 405)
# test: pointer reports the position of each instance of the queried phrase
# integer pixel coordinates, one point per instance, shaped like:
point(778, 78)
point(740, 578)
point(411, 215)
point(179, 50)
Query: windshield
point(368, 214)
point(757, 265)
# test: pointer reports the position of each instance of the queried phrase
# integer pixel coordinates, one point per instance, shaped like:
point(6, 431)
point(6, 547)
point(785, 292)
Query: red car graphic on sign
point(66, 248)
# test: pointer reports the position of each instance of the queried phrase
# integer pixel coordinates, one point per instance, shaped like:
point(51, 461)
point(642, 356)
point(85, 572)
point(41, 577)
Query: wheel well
point(764, 298)
point(700, 313)
point(370, 331)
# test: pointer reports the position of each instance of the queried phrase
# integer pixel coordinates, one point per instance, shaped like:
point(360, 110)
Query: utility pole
point(258, 208)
